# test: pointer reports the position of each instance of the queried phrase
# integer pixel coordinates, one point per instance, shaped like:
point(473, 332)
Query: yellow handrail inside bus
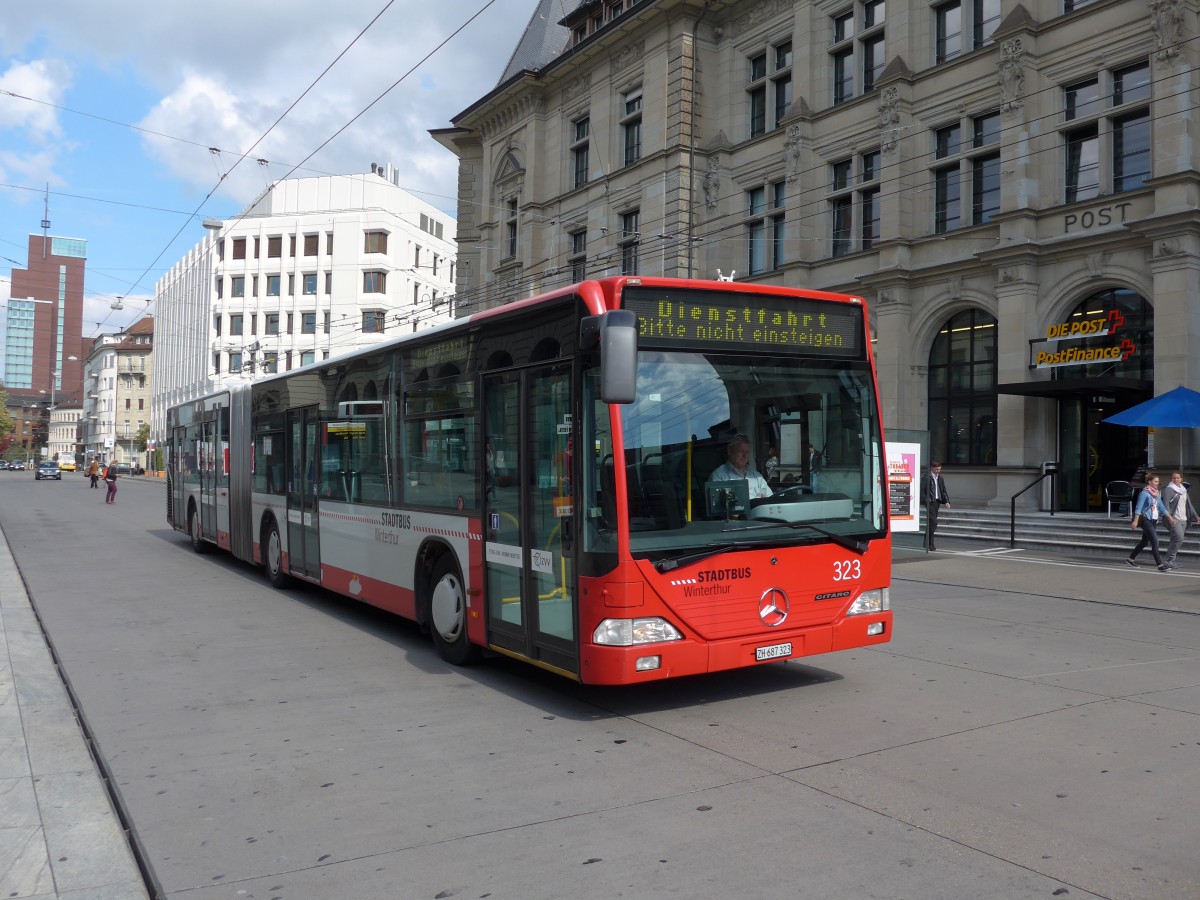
point(560, 592)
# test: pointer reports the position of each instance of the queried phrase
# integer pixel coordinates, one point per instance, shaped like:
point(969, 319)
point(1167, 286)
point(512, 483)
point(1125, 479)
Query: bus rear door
point(529, 515)
point(304, 473)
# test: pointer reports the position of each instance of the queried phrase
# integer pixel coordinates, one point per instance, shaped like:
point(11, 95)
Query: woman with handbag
point(1150, 508)
point(110, 480)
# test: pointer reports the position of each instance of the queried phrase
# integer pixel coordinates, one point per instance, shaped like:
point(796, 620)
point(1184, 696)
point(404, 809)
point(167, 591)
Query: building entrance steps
point(1079, 534)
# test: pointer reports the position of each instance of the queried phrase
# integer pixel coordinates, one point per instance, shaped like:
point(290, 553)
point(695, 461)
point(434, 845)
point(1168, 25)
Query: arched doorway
point(1093, 454)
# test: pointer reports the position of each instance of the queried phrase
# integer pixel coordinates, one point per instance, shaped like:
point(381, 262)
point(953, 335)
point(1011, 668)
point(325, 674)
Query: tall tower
point(45, 324)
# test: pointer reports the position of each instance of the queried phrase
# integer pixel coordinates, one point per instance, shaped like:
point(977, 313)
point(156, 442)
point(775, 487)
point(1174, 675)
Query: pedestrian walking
point(94, 473)
point(935, 496)
point(110, 480)
point(1179, 505)
point(814, 467)
point(1150, 508)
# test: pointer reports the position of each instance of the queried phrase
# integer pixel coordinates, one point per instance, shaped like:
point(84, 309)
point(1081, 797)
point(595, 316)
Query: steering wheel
point(790, 494)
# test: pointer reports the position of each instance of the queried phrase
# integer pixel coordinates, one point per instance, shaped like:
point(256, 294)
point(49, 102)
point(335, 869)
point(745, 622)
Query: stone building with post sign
point(995, 178)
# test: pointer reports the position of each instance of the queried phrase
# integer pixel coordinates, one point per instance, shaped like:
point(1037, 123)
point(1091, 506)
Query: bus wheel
point(273, 558)
point(198, 544)
point(448, 614)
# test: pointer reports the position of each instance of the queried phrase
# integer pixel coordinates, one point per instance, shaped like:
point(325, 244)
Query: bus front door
point(304, 473)
point(529, 515)
point(210, 440)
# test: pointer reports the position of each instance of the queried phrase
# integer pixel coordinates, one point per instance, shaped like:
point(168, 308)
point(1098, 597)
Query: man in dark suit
point(934, 495)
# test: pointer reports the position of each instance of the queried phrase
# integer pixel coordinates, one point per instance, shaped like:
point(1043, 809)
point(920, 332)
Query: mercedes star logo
point(773, 608)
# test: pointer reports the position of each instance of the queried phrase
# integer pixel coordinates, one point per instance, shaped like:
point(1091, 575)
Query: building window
point(307, 357)
point(275, 247)
point(220, 287)
point(254, 285)
point(756, 230)
point(235, 325)
point(373, 321)
point(308, 323)
point(328, 282)
point(374, 282)
point(271, 323)
point(954, 21)
point(237, 286)
point(957, 161)
point(292, 246)
point(962, 390)
point(766, 229)
point(271, 363)
point(310, 244)
point(235, 363)
point(869, 199)
point(291, 319)
point(580, 131)
point(629, 242)
point(239, 248)
point(1107, 147)
point(948, 37)
point(631, 125)
point(578, 256)
point(510, 229)
point(842, 212)
point(769, 89)
point(986, 17)
point(217, 324)
point(375, 242)
point(854, 203)
point(858, 45)
point(947, 200)
point(778, 224)
point(272, 285)
point(309, 284)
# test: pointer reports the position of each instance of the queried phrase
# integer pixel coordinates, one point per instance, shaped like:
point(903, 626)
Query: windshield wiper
point(857, 545)
point(675, 562)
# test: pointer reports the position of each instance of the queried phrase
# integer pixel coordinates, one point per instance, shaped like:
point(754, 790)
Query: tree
point(6, 422)
point(143, 436)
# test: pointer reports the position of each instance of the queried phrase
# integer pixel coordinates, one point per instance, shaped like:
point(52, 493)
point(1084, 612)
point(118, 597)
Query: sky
point(134, 115)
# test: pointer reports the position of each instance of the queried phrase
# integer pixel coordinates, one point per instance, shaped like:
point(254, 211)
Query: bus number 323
point(847, 570)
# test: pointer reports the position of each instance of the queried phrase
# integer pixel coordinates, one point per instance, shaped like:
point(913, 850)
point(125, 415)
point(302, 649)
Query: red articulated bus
point(573, 480)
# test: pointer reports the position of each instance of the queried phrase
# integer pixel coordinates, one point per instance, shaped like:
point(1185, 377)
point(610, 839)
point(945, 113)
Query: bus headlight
point(629, 632)
point(873, 601)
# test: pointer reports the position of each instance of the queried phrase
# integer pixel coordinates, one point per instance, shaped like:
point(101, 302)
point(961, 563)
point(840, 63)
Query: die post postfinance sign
point(1115, 349)
point(712, 320)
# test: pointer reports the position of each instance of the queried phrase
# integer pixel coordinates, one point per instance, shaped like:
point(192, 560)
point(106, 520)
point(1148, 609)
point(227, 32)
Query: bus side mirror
point(618, 356)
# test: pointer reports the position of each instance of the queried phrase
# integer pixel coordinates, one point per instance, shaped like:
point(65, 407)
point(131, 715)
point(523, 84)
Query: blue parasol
point(1179, 408)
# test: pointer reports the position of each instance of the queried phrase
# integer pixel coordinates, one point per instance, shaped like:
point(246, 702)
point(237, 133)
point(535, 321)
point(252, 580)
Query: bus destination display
point(715, 319)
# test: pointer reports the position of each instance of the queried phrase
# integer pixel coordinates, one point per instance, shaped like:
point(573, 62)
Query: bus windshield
point(812, 473)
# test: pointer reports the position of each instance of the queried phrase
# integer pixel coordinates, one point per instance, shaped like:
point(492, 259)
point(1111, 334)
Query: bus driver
point(737, 468)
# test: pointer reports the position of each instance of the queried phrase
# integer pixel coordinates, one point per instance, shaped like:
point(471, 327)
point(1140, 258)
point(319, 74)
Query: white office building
point(313, 268)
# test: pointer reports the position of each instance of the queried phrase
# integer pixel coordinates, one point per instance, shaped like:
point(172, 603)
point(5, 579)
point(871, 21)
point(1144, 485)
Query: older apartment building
point(118, 384)
point(1011, 186)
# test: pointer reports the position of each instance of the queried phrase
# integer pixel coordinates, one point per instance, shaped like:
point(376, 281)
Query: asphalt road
point(1031, 731)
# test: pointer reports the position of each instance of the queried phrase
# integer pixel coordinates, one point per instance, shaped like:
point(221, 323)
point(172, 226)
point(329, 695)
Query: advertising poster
point(904, 475)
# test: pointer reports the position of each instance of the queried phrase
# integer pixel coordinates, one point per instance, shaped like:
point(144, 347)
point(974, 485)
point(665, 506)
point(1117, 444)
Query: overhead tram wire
point(339, 131)
point(252, 147)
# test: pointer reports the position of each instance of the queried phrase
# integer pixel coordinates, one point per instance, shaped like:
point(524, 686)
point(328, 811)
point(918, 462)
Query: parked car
point(17, 465)
point(48, 469)
point(3, 464)
point(123, 469)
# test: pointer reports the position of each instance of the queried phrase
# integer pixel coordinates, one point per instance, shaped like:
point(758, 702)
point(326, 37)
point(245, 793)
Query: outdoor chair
point(1119, 494)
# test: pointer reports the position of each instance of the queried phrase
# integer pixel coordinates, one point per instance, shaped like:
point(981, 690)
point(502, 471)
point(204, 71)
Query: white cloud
point(40, 80)
point(223, 91)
